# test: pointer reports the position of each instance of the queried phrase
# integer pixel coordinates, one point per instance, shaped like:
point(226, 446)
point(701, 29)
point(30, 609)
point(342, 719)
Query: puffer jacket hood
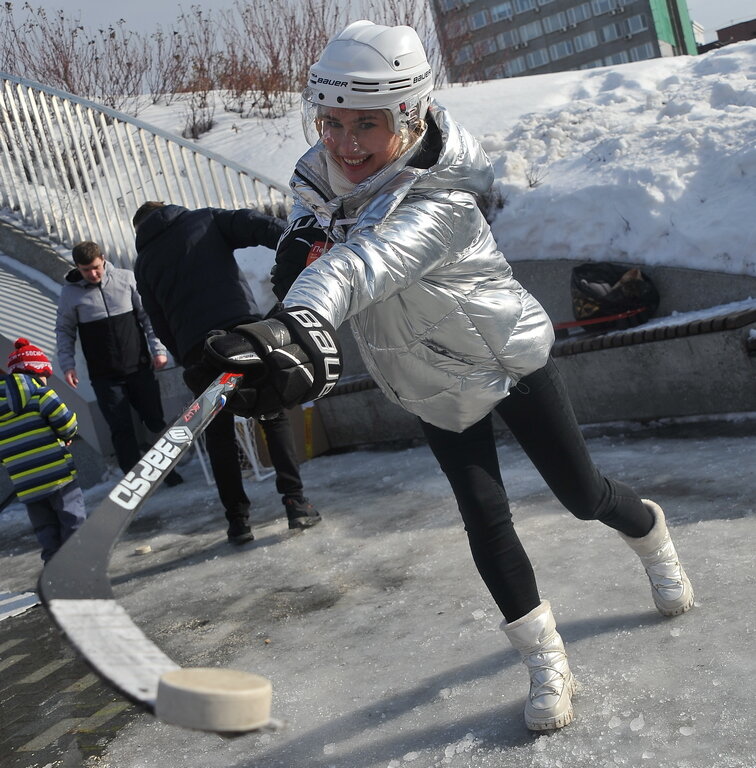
point(157, 222)
point(441, 323)
point(461, 165)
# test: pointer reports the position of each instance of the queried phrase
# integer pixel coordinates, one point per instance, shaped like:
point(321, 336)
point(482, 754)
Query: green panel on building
point(672, 15)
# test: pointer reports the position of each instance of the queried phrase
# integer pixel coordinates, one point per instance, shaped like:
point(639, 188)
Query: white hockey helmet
point(371, 66)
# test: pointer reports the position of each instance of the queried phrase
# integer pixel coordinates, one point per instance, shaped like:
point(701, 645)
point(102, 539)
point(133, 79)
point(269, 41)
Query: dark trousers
point(223, 452)
point(56, 516)
point(116, 396)
point(540, 417)
point(222, 449)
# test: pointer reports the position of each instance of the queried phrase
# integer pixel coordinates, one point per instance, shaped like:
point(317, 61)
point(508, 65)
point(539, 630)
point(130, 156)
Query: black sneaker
point(300, 512)
point(173, 478)
point(239, 532)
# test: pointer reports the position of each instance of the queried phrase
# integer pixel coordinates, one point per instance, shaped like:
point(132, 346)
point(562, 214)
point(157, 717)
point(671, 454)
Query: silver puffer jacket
point(443, 327)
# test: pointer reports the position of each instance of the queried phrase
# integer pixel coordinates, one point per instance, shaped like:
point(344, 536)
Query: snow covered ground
point(383, 645)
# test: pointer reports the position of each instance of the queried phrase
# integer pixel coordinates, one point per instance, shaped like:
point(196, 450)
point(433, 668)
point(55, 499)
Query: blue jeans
point(539, 415)
point(56, 516)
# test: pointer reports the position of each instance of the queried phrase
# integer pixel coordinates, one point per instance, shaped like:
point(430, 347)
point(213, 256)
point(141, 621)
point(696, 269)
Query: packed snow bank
point(652, 162)
point(645, 163)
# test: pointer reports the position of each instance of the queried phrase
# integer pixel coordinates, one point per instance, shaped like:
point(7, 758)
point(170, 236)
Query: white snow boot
point(670, 586)
point(549, 703)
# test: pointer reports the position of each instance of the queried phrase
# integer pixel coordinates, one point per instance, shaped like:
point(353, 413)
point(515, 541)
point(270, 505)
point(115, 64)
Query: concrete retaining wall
point(706, 374)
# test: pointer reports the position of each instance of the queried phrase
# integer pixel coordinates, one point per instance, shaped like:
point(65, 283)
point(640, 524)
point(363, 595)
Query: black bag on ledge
point(608, 296)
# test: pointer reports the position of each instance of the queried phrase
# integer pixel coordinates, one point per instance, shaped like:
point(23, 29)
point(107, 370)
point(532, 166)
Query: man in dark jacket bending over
point(190, 284)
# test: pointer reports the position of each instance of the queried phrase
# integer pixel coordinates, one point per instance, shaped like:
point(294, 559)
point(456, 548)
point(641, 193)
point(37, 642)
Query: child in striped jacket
point(36, 428)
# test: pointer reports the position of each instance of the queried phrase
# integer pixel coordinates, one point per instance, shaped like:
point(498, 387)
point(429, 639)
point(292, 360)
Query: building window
point(537, 58)
point(531, 31)
point(579, 13)
point(544, 2)
point(585, 41)
point(641, 52)
point(515, 66)
point(617, 58)
point(507, 39)
point(501, 11)
point(604, 6)
point(494, 72)
point(484, 47)
point(592, 64)
point(456, 28)
point(637, 24)
point(612, 32)
point(524, 5)
point(556, 22)
point(453, 5)
point(478, 20)
point(463, 55)
point(561, 50)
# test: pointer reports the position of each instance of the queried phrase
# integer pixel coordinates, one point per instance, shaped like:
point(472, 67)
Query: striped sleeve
point(61, 418)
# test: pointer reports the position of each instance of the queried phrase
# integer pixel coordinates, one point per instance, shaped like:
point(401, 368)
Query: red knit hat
point(26, 358)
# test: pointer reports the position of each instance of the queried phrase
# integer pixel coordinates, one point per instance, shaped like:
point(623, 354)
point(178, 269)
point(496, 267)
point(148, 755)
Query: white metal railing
point(79, 170)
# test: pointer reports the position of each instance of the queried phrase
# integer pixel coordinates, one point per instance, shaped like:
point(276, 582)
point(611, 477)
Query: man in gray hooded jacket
point(100, 304)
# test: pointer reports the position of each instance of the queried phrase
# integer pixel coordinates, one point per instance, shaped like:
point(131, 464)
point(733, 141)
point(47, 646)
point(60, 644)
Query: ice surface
point(384, 647)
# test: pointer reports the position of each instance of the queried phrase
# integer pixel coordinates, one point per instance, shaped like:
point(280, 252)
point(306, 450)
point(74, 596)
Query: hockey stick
point(75, 589)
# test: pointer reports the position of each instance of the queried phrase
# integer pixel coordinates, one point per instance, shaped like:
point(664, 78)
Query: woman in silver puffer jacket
point(441, 324)
point(386, 233)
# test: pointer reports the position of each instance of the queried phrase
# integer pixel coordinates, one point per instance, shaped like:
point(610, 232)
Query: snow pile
point(652, 162)
point(645, 163)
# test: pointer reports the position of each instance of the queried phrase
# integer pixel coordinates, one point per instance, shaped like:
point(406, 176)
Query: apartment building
point(489, 39)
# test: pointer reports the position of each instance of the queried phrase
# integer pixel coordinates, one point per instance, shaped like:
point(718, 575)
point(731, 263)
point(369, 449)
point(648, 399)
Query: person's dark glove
point(300, 352)
point(302, 242)
point(200, 375)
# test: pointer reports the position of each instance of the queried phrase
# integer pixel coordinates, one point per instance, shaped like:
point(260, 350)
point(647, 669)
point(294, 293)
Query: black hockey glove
point(300, 352)
point(302, 242)
point(200, 375)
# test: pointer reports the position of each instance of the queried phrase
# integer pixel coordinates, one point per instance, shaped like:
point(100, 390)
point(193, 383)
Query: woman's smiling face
point(359, 140)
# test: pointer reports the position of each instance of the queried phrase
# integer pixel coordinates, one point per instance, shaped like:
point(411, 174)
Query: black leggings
point(539, 414)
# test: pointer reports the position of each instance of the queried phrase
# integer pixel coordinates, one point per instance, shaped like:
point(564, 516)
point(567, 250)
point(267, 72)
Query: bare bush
point(55, 50)
point(199, 35)
point(535, 175)
point(165, 76)
point(121, 62)
point(106, 65)
point(270, 49)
